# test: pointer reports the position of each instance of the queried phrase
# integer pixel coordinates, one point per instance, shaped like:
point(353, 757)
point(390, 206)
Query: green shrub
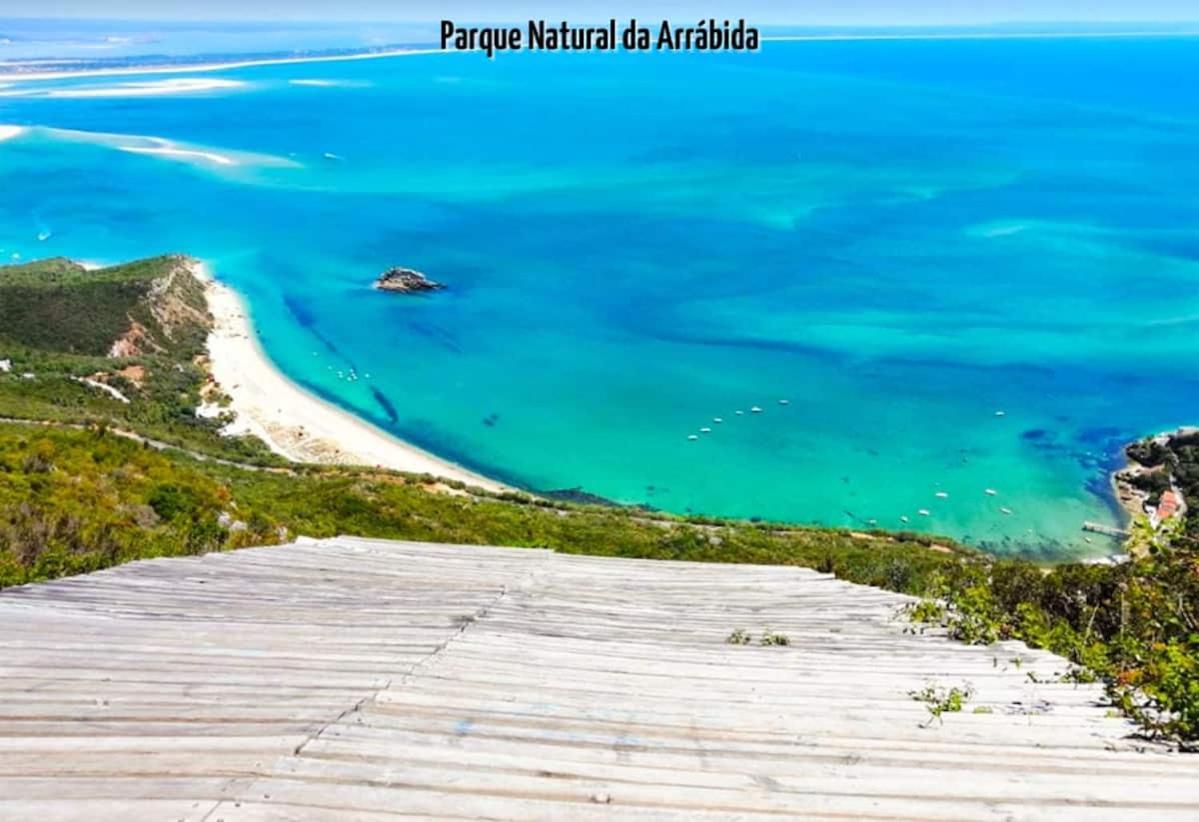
point(941, 701)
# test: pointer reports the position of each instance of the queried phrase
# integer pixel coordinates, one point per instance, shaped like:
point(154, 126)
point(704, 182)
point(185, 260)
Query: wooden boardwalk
point(353, 679)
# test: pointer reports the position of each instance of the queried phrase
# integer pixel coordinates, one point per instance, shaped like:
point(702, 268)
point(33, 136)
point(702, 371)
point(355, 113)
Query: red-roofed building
point(1168, 506)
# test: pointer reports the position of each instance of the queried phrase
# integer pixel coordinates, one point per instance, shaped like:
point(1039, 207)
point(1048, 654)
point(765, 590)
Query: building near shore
point(1169, 506)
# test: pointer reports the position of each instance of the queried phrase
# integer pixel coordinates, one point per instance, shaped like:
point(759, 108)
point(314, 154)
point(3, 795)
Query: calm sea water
point(901, 239)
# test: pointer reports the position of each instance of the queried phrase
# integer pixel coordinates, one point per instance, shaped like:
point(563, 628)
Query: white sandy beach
point(8, 132)
point(293, 422)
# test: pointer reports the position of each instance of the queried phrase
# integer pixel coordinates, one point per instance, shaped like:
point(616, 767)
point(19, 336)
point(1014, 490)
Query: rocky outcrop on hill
point(171, 313)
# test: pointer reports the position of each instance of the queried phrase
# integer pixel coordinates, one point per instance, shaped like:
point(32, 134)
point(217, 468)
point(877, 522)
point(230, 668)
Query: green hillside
point(57, 305)
point(138, 328)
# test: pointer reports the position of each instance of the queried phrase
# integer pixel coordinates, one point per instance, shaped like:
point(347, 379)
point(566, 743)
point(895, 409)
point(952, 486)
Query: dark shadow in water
point(304, 316)
point(385, 403)
point(437, 335)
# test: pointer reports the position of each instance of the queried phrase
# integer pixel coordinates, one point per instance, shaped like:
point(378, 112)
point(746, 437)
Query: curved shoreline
point(294, 423)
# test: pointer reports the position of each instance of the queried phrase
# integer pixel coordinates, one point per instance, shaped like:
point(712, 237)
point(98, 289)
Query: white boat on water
point(755, 410)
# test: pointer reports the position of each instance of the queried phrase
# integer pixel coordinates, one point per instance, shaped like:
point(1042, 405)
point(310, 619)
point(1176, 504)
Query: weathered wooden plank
point(363, 678)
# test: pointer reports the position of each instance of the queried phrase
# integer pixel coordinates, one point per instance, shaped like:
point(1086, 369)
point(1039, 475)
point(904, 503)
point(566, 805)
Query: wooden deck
point(352, 679)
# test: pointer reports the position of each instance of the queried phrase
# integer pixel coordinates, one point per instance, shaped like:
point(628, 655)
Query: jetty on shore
point(1106, 530)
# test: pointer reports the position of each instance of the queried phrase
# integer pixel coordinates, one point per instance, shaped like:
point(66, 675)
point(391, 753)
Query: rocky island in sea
point(406, 281)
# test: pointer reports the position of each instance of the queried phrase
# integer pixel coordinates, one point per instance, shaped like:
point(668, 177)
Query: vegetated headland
point(118, 442)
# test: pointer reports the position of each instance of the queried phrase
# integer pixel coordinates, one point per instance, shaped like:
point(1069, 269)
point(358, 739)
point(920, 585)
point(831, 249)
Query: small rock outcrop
point(406, 281)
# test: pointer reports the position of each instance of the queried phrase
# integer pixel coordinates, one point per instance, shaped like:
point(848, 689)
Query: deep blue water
point(899, 238)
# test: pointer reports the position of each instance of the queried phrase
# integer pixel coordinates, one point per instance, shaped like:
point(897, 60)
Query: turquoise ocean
point(964, 265)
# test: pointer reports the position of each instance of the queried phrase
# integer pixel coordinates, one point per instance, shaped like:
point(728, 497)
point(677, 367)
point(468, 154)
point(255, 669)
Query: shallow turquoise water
point(899, 238)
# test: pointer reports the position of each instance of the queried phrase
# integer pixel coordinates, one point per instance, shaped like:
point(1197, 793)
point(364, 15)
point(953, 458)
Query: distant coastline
point(977, 35)
point(294, 423)
point(222, 63)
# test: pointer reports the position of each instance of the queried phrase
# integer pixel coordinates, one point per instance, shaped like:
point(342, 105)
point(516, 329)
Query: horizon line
point(1105, 23)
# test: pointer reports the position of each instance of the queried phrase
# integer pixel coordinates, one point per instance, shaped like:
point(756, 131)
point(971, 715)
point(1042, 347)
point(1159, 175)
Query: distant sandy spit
point(294, 423)
point(212, 157)
point(169, 149)
point(201, 67)
point(8, 132)
point(148, 88)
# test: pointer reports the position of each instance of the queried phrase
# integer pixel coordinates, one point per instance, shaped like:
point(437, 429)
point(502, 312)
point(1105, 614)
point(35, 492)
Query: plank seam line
point(524, 584)
point(528, 581)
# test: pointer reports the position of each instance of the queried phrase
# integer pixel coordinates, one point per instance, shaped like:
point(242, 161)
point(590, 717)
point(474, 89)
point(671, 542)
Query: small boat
point(42, 236)
point(903, 519)
point(924, 512)
point(739, 413)
point(1001, 413)
point(717, 420)
point(942, 495)
point(693, 437)
point(755, 410)
point(1006, 511)
point(784, 402)
point(990, 492)
point(705, 430)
